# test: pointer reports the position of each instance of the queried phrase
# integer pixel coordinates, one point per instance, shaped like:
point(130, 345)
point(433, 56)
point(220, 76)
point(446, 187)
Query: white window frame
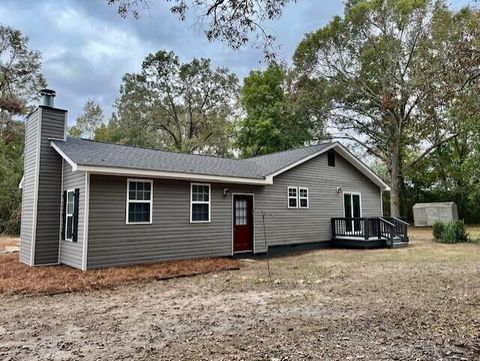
point(201, 202)
point(359, 194)
point(69, 215)
point(291, 197)
point(300, 197)
point(129, 180)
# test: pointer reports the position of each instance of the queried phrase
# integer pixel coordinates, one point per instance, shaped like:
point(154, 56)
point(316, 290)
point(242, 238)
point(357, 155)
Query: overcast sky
point(87, 47)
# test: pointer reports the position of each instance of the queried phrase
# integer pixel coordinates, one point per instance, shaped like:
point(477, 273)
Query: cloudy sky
point(87, 47)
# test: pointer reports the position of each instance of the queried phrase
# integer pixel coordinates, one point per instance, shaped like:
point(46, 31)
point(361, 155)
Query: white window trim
point(201, 202)
point(139, 201)
point(359, 194)
point(290, 197)
point(300, 197)
point(67, 214)
point(360, 199)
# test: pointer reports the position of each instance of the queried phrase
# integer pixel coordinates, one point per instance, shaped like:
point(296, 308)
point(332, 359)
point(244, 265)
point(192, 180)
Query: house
point(90, 204)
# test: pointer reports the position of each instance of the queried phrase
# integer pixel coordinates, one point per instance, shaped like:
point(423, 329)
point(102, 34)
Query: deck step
point(399, 244)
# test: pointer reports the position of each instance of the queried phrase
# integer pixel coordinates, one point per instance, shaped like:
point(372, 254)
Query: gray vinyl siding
point(71, 253)
point(49, 191)
point(170, 236)
point(298, 225)
point(29, 185)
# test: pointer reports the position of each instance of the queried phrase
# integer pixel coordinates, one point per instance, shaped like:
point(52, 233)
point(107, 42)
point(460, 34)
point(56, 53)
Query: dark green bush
point(438, 229)
point(452, 232)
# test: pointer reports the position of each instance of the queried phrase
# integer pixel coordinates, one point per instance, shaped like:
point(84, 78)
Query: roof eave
point(131, 172)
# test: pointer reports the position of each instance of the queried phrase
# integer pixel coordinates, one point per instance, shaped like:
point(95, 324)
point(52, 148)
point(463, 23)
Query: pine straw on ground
point(18, 278)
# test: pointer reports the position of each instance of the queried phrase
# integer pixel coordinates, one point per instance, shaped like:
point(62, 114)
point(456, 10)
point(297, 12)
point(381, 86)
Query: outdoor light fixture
point(339, 189)
point(226, 191)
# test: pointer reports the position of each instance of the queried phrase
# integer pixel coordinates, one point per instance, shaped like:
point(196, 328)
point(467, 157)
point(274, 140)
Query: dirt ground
point(415, 303)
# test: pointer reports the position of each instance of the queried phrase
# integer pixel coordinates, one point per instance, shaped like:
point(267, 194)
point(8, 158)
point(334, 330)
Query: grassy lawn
point(416, 303)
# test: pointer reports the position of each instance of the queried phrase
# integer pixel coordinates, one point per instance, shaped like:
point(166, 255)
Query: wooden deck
point(369, 232)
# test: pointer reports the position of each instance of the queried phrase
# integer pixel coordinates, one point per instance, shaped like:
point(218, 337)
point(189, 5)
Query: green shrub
point(438, 229)
point(452, 232)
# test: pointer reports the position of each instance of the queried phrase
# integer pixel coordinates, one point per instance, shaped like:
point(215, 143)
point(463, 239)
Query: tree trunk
point(395, 182)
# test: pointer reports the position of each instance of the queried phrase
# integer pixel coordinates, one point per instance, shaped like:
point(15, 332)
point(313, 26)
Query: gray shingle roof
point(271, 163)
point(91, 153)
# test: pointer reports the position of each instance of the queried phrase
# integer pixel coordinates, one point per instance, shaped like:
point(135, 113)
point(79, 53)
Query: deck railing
point(386, 229)
point(401, 228)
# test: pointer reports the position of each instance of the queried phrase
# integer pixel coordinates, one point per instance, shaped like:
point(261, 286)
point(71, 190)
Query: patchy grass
point(416, 303)
point(18, 278)
point(6, 241)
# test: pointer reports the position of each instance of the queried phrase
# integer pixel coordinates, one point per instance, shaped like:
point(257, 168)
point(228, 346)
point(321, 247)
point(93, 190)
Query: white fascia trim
point(85, 222)
point(344, 152)
point(170, 175)
point(64, 156)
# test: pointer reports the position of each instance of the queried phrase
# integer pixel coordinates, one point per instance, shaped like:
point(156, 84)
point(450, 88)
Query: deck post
point(334, 231)
point(367, 229)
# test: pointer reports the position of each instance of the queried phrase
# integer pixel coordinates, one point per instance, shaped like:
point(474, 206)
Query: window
point(69, 215)
point(303, 197)
point(292, 197)
point(331, 158)
point(139, 201)
point(70, 202)
point(200, 203)
point(240, 212)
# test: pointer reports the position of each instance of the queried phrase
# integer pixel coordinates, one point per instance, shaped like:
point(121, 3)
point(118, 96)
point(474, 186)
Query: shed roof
point(433, 204)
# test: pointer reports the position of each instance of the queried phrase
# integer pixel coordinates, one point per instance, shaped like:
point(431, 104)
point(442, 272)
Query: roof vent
point(48, 96)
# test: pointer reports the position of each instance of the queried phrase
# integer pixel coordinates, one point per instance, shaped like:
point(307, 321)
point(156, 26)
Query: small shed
point(426, 214)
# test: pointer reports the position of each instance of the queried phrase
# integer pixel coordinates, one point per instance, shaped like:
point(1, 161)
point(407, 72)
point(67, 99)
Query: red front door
point(242, 223)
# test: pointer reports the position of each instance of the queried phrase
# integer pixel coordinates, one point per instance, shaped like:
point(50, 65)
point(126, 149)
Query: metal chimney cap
point(49, 92)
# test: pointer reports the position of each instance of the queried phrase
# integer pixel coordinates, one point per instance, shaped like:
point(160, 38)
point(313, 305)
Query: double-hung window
point(69, 215)
point(303, 197)
point(292, 197)
point(139, 201)
point(297, 197)
point(70, 203)
point(200, 203)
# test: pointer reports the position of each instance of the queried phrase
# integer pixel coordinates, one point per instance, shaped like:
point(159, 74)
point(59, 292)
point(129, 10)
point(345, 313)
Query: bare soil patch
point(18, 278)
point(416, 303)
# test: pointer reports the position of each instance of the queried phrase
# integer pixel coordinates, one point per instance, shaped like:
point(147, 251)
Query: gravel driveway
point(419, 303)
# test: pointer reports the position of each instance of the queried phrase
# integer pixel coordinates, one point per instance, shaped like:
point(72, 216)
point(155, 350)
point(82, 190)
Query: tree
point(231, 21)
point(181, 107)
point(11, 170)
point(272, 122)
point(20, 84)
point(87, 123)
point(389, 70)
point(20, 73)
point(110, 132)
point(455, 163)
